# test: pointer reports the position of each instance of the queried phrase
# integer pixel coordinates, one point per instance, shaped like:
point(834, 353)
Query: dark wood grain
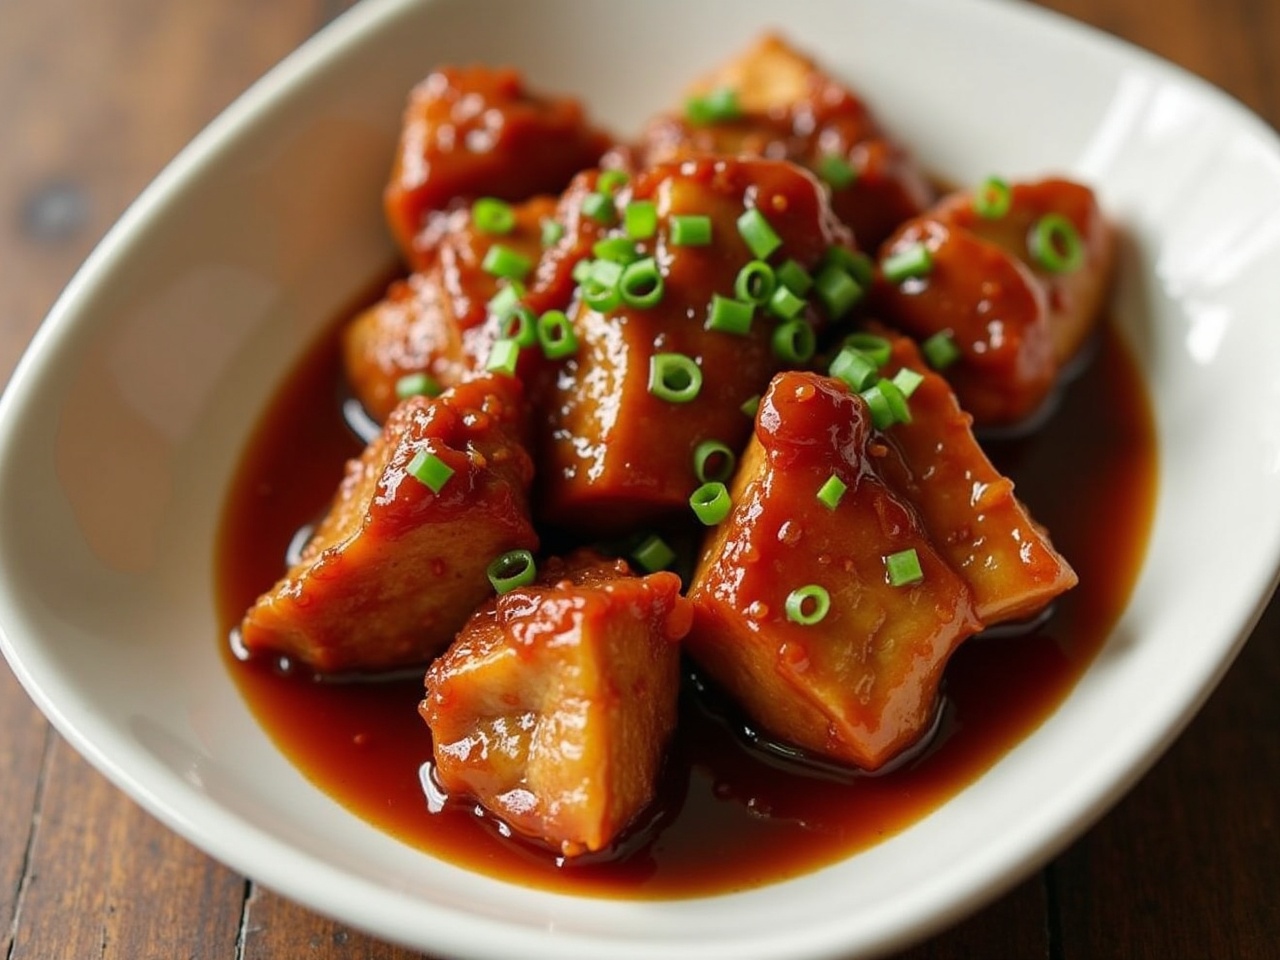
point(94, 99)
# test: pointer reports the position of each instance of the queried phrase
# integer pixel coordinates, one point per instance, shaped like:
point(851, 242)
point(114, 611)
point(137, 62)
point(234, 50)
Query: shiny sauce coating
point(732, 813)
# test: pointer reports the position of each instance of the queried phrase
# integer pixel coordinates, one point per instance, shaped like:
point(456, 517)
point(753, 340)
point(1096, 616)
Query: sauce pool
point(729, 815)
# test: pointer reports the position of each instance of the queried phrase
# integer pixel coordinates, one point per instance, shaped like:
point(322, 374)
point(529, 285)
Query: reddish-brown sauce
point(729, 816)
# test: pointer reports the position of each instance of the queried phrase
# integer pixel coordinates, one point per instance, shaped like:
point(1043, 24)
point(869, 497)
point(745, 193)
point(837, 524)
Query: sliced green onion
point(640, 219)
point(808, 605)
point(718, 106)
point(515, 568)
point(758, 232)
point(831, 492)
point(838, 291)
point(785, 304)
point(992, 199)
point(581, 271)
point(794, 341)
point(729, 316)
point(420, 384)
point(521, 326)
point(878, 348)
point(751, 406)
point(755, 282)
point(429, 470)
point(713, 460)
point(599, 207)
point(903, 568)
point(674, 377)
point(940, 350)
point(506, 299)
point(887, 404)
point(795, 278)
point(907, 380)
point(552, 232)
point(711, 502)
point(835, 170)
point(855, 368)
point(491, 215)
point(600, 288)
point(556, 336)
point(502, 261)
point(503, 357)
point(856, 264)
point(653, 554)
point(641, 284)
point(617, 249)
point(1055, 244)
point(610, 181)
point(690, 230)
point(911, 261)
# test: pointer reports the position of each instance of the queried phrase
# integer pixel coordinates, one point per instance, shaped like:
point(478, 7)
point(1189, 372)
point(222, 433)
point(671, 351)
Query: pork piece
point(789, 108)
point(434, 321)
point(616, 453)
point(1074, 297)
point(859, 685)
point(396, 567)
point(968, 508)
point(1017, 321)
point(478, 131)
point(992, 308)
point(554, 706)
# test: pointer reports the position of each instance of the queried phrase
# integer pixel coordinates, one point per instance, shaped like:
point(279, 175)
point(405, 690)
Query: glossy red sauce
point(729, 816)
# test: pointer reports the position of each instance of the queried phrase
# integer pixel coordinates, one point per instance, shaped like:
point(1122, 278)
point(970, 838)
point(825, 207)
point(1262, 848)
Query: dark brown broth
point(729, 816)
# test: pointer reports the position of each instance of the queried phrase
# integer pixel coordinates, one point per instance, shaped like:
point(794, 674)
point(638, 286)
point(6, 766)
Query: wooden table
point(94, 99)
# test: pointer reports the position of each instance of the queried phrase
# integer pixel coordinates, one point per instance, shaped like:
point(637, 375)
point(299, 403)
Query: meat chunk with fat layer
point(554, 706)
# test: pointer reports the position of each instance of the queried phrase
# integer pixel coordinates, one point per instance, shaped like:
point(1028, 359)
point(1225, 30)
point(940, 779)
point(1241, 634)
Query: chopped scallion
point(1055, 244)
point(610, 181)
point(617, 249)
point(837, 290)
point(907, 380)
point(785, 304)
point(674, 377)
point(502, 261)
point(758, 233)
point(429, 470)
point(808, 605)
point(641, 284)
point(836, 171)
point(755, 282)
point(515, 568)
point(491, 215)
point(503, 357)
point(903, 568)
point(831, 492)
point(600, 208)
point(552, 232)
point(729, 316)
point(855, 368)
point(640, 219)
point(520, 325)
point(940, 350)
point(419, 384)
point(873, 345)
point(555, 334)
point(716, 106)
point(795, 278)
point(992, 199)
point(794, 341)
point(653, 554)
point(690, 230)
point(713, 460)
point(711, 502)
point(909, 262)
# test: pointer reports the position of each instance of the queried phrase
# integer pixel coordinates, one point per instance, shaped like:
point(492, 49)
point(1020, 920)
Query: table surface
point(94, 99)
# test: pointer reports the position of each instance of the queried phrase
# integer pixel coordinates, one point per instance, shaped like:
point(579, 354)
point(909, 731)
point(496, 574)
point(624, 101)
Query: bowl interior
point(122, 426)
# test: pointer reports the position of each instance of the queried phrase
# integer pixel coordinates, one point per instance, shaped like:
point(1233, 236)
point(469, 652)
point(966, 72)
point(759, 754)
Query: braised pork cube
point(436, 327)
point(772, 101)
point(1056, 228)
point(671, 344)
point(821, 603)
point(940, 281)
point(477, 132)
point(969, 509)
point(398, 563)
point(554, 706)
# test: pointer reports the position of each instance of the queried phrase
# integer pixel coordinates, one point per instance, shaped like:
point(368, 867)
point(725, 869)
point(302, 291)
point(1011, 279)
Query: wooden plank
point(276, 927)
point(24, 740)
point(1013, 926)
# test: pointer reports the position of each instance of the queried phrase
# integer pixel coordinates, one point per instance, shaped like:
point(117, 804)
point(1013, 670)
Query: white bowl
point(122, 424)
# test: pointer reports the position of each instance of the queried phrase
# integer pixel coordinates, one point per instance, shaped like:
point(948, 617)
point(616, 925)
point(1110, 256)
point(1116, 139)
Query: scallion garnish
point(1055, 244)
point(887, 404)
point(903, 568)
point(940, 350)
point(506, 299)
point(515, 568)
point(911, 261)
point(556, 336)
point(907, 380)
point(610, 181)
point(640, 219)
point(617, 249)
point(690, 230)
point(502, 261)
point(419, 384)
point(751, 406)
point(711, 502)
point(653, 554)
point(641, 284)
point(808, 605)
point(878, 348)
point(992, 199)
point(855, 368)
point(758, 233)
point(429, 470)
point(600, 208)
point(503, 357)
point(755, 282)
point(717, 106)
point(713, 460)
point(600, 288)
point(491, 215)
point(795, 278)
point(794, 341)
point(856, 264)
point(520, 325)
point(552, 232)
point(785, 304)
point(674, 377)
point(836, 171)
point(729, 316)
point(831, 492)
point(837, 290)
